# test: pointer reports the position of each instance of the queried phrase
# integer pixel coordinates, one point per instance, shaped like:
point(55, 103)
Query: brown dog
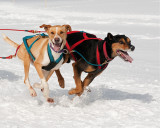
point(56, 41)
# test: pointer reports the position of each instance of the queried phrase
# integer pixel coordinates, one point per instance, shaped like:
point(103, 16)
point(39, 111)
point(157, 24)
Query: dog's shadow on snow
point(101, 94)
point(114, 94)
point(8, 76)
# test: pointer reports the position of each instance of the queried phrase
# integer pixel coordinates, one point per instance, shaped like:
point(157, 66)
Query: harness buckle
point(105, 62)
point(65, 51)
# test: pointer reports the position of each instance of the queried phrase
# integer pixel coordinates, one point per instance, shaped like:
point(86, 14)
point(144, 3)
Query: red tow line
point(31, 31)
point(11, 56)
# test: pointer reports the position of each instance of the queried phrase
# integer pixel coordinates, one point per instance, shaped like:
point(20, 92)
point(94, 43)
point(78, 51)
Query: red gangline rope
point(32, 31)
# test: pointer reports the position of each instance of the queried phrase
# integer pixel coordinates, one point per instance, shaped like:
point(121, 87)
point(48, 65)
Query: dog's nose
point(56, 40)
point(132, 48)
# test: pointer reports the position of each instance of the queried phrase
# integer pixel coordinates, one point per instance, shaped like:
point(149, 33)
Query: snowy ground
point(124, 96)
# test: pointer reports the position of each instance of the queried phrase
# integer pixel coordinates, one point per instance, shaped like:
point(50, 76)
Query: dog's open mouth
point(57, 46)
point(124, 55)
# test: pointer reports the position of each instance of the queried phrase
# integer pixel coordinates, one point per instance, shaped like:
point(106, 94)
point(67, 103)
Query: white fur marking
point(27, 83)
point(55, 55)
point(45, 73)
point(46, 88)
point(31, 90)
point(37, 85)
point(56, 35)
point(46, 59)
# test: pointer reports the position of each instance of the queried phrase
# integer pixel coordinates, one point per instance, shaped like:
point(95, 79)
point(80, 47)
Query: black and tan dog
point(93, 55)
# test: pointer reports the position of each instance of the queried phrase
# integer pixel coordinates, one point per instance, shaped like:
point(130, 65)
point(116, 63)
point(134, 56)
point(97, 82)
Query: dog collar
point(105, 52)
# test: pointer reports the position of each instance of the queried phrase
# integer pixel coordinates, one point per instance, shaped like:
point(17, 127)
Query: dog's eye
point(121, 42)
point(61, 32)
point(52, 32)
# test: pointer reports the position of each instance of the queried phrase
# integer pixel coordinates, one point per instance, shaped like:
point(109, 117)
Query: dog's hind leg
point(26, 79)
point(77, 78)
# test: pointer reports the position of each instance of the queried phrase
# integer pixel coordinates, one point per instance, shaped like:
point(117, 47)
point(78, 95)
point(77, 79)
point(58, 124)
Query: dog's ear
point(46, 27)
point(109, 36)
point(68, 27)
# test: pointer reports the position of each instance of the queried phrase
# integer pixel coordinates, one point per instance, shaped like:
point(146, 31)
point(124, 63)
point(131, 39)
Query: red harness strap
point(68, 47)
point(97, 51)
point(11, 56)
point(79, 42)
point(98, 57)
point(72, 32)
point(99, 60)
point(85, 35)
point(17, 49)
point(105, 54)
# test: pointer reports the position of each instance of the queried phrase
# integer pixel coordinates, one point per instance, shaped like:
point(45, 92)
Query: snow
point(124, 96)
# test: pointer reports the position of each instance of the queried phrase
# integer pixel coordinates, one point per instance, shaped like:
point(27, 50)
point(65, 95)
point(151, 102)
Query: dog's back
point(74, 37)
point(86, 44)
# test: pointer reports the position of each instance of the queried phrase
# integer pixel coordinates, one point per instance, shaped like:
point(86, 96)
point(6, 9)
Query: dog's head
point(120, 45)
point(57, 35)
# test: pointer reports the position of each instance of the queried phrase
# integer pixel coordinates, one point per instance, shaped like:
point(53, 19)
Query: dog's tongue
point(56, 48)
point(124, 55)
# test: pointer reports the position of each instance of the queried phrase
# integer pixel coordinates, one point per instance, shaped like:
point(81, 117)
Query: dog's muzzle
point(56, 40)
point(56, 44)
point(132, 47)
point(124, 55)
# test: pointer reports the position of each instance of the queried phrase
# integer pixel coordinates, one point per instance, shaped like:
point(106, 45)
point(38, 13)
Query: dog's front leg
point(44, 83)
point(60, 78)
point(77, 78)
point(47, 75)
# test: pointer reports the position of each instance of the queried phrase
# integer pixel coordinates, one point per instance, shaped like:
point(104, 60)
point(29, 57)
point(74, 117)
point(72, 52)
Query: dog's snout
point(56, 40)
point(132, 47)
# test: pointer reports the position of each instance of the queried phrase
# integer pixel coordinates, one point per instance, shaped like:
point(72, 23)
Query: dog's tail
point(9, 41)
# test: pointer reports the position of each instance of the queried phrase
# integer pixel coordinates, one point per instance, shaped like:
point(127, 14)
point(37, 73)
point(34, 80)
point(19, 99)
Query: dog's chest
point(46, 59)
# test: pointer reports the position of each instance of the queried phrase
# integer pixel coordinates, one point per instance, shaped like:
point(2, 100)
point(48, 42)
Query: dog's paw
point(50, 100)
point(87, 89)
point(33, 92)
point(74, 91)
point(71, 92)
point(37, 85)
point(61, 83)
